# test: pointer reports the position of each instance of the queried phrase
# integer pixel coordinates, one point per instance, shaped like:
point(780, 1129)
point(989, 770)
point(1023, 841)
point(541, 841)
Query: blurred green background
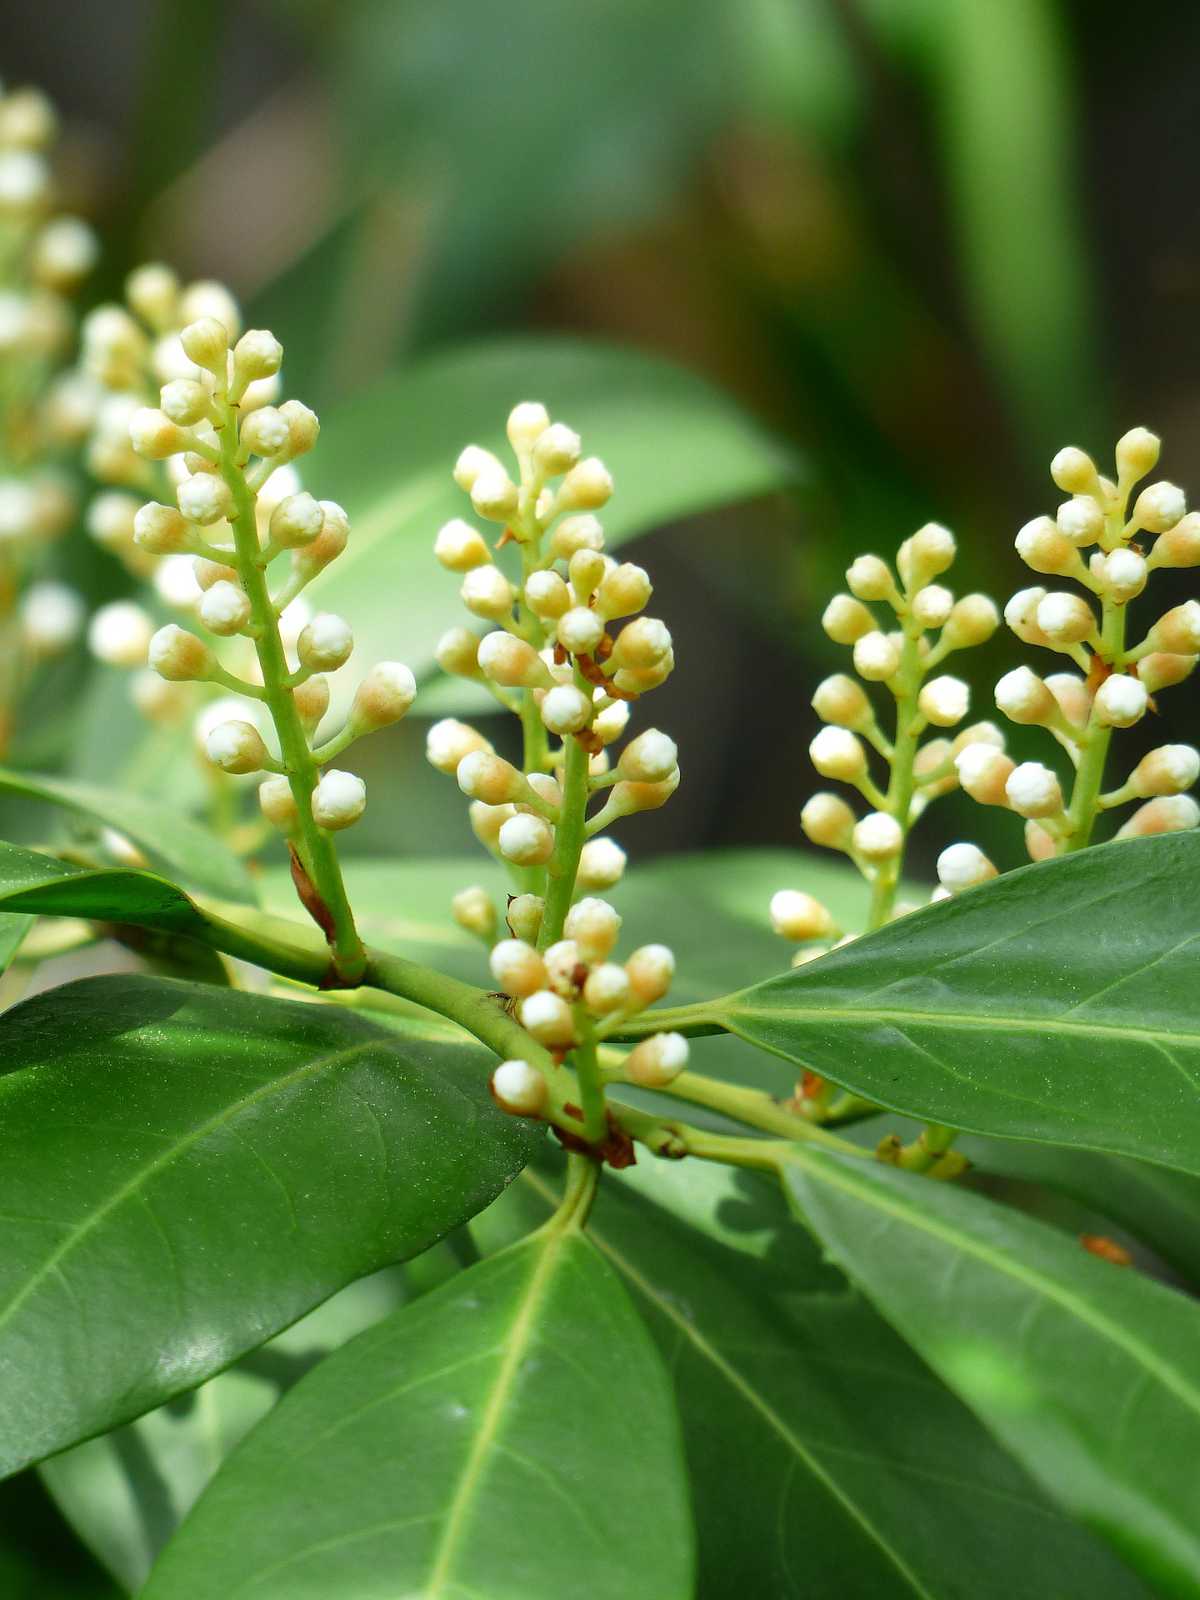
point(923, 242)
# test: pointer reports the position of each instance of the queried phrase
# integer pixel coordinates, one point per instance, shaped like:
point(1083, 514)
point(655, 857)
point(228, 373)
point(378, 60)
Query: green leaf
point(825, 1461)
point(185, 1171)
point(128, 1491)
point(1088, 1372)
point(1057, 1003)
point(13, 929)
point(387, 456)
point(39, 1558)
point(511, 1433)
point(162, 830)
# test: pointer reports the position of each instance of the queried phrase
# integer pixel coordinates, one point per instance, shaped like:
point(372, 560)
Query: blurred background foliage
point(923, 242)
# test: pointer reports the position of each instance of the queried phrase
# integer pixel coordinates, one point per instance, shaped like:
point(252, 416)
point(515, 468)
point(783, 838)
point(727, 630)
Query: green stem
point(564, 866)
point(752, 1106)
point(898, 800)
point(1089, 777)
point(591, 1080)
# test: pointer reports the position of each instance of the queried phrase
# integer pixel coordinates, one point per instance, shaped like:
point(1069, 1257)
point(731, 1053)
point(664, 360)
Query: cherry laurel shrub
point(871, 1276)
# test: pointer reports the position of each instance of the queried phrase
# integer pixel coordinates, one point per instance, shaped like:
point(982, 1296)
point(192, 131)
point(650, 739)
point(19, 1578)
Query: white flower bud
point(594, 925)
point(827, 820)
point(878, 837)
point(842, 701)
point(326, 643)
point(1021, 615)
point(876, 656)
point(339, 799)
point(556, 449)
point(650, 758)
point(1073, 696)
point(610, 723)
point(303, 427)
point(119, 634)
point(1081, 520)
point(1065, 618)
point(837, 753)
point(1033, 790)
point(1159, 670)
point(296, 521)
point(206, 342)
point(204, 498)
point(460, 547)
point(236, 747)
point(265, 432)
point(494, 495)
point(154, 435)
point(623, 591)
point(1177, 632)
point(486, 592)
point(1137, 453)
point(457, 652)
point(796, 915)
point(51, 617)
point(547, 596)
point(519, 1088)
point(517, 968)
point(978, 733)
point(184, 401)
point(511, 662)
point(293, 620)
point(565, 709)
point(525, 912)
point(643, 645)
point(472, 461)
point(526, 424)
point(179, 656)
point(384, 696)
point(1023, 697)
point(1170, 769)
point(1039, 845)
point(487, 777)
point(973, 620)
point(579, 631)
point(586, 487)
point(650, 969)
point(870, 578)
point(1169, 813)
point(657, 1061)
point(1042, 545)
point(846, 620)
point(153, 292)
point(224, 608)
point(944, 701)
point(278, 804)
point(576, 533)
point(1124, 575)
point(932, 605)
point(1121, 701)
point(1179, 546)
point(160, 530)
point(311, 699)
point(257, 354)
point(208, 299)
point(449, 740)
point(601, 864)
point(526, 840)
point(1159, 507)
point(1074, 471)
point(156, 699)
point(983, 772)
point(962, 866)
point(547, 1016)
point(928, 554)
point(607, 989)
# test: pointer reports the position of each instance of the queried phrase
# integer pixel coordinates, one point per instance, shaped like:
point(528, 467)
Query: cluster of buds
point(220, 456)
point(922, 624)
point(44, 259)
point(570, 652)
point(572, 993)
point(1109, 548)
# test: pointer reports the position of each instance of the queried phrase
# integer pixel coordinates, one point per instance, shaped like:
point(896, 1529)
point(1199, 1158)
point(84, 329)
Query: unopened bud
point(556, 449)
point(526, 424)
point(876, 656)
point(586, 487)
point(1081, 520)
point(547, 596)
point(155, 436)
point(601, 864)
point(932, 605)
point(1168, 813)
point(650, 971)
point(224, 608)
point(657, 1061)
point(944, 701)
point(311, 699)
point(983, 772)
point(565, 709)
point(206, 342)
point(594, 925)
point(1137, 454)
point(51, 617)
point(296, 521)
point(519, 1088)
point(278, 804)
point(607, 989)
point(547, 1016)
point(972, 621)
point(1074, 471)
point(339, 799)
point(303, 427)
point(1120, 701)
point(576, 533)
point(925, 556)
point(642, 644)
point(870, 578)
point(526, 840)
point(511, 662)
point(383, 697)
point(487, 777)
point(457, 652)
point(184, 401)
point(1033, 790)
point(1124, 575)
point(837, 753)
point(1170, 769)
point(579, 631)
point(494, 495)
point(1042, 545)
point(877, 837)
point(1162, 671)
point(841, 701)
point(486, 592)
point(204, 498)
point(827, 820)
point(1159, 507)
point(525, 912)
point(962, 866)
point(846, 620)
point(236, 747)
point(1065, 618)
point(650, 758)
point(796, 915)
point(1179, 546)
point(160, 530)
point(625, 590)
point(1023, 697)
point(257, 354)
point(1073, 696)
point(448, 741)
point(1021, 615)
point(1177, 632)
point(119, 634)
point(326, 643)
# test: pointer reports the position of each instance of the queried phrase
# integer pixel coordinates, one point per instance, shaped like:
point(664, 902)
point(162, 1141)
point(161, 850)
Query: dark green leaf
point(39, 1559)
point(1058, 1003)
point(511, 1433)
point(185, 1171)
point(1088, 1372)
point(13, 929)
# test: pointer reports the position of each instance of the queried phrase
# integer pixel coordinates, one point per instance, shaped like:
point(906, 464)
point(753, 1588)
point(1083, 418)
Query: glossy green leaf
point(162, 830)
point(13, 929)
point(818, 1445)
point(126, 1492)
point(1057, 1003)
point(387, 456)
point(1088, 1372)
point(510, 1434)
point(185, 1171)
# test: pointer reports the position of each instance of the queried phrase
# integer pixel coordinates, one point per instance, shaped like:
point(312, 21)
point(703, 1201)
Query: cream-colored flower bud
point(207, 298)
point(1074, 471)
point(624, 591)
point(473, 460)
point(932, 605)
point(657, 1061)
point(257, 354)
point(796, 915)
point(206, 342)
point(152, 291)
point(650, 969)
point(1073, 696)
point(870, 578)
point(526, 840)
point(278, 804)
point(303, 427)
point(827, 820)
point(593, 925)
point(547, 596)
point(494, 495)
point(1170, 769)
point(460, 547)
point(525, 912)
point(842, 701)
point(1042, 545)
point(487, 593)
point(1023, 697)
point(184, 401)
point(610, 722)
point(1065, 618)
point(1179, 546)
point(236, 747)
point(925, 556)
point(486, 822)
point(1081, 520)
point(837, 753)
point(224, 608)
point(511, 662)
point(650, 758)
point(1159, 507)
point(154, 436)
point(876, 656)
point(484, 776)
point(642, 644)
point(1033, 790)
point(877, 837)
point(1169, 813)
point(339, 799)
point(384, 696)
point(1039, 845)
point(1162, 671)
point(930, 758)
point(449, 740)
point(160, 530)
point(1137, 454)
point(1121, 701)
point(158, 700)
point(601, 864)
point(944, 701)
point(585, 570)
point(639, 681)
point(1124, 575)
point(978, 733)
point(556, 449)
point(517, 968)
point(607, 989)
point(586, 487)
point(526, 424)
point(311, 699)
point(208, 572)
point(565, 710)
point(973, 620)
point(204, 498)
point(547, 1016)
point(576, 533)
point(1021, 615)
point(179, 656)
point(296, 521)
point(846, 620)
point(51, 617)
point(457, 652)
point(983, 772)
point(265, 432)
point(326, 643)
point(119, 634)
point(1177, 632)
point(579, 631)
point(962, 866)
point(519, 1089)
